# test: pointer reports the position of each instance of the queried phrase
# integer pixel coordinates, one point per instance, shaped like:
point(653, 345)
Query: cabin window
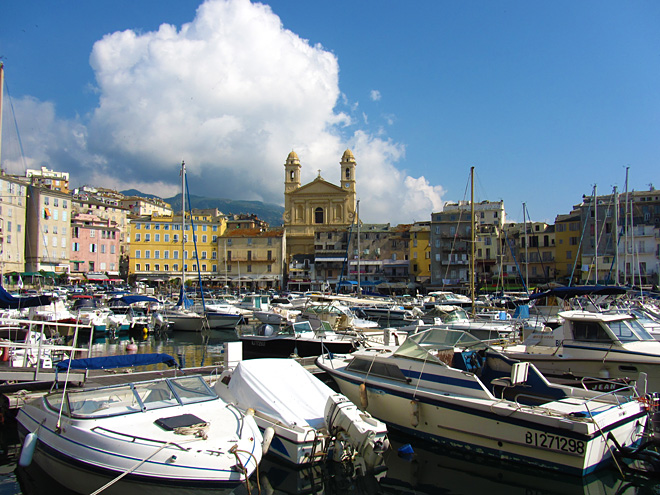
point(376, 368)
point(589, 330)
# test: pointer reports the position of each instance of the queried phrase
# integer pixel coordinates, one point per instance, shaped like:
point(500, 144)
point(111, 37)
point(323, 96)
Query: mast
point(526, 244)
point(183, 232)
point(359, 289)
point(595, 235)
point(474, 237)
point(616, 232)
point(625, 222)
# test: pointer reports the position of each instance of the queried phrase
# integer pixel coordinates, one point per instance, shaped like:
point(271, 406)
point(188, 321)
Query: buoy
point(131, 347)
point(414, 413)
point(27, 451)
point(269, 433)
point(364, 401)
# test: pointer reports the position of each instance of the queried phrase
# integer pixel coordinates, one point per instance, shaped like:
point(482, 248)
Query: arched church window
point(318, 215)
point(293, 175)
point(348, 173)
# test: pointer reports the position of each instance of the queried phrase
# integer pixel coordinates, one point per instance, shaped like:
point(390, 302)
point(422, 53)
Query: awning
point(97, 277)
point(328, 260)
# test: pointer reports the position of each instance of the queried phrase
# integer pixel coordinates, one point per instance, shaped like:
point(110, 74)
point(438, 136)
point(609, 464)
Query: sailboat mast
point(359, 289)
point(616, 232)
point(474, 237)
point(183, 229)
point(595, 235)
point(526, 246)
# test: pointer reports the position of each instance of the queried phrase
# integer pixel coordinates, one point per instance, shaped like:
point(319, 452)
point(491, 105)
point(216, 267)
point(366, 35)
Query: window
point(156, 255)
point(147, 237)
point(166, 255)
point(156, 237)
point(112, 249)
point(137, 267)
point(92, 248)
point(147, 254)
point(103, 248)
point(318, 215)
point(76, 246)
point(137, 254)
point(137, 237)
point(167, 237)
point(249, 268)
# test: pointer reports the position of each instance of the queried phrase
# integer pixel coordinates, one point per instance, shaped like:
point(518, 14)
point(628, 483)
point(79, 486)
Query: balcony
point(244, 259)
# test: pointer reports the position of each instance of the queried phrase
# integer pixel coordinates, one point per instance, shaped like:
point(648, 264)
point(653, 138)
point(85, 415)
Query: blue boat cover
point(132, 298)
point(581, 290)
point(121, 361)
point(7, 301)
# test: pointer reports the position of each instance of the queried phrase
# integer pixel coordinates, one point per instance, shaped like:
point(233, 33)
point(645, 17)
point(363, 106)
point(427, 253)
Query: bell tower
point(348, 171)
point(291, 172)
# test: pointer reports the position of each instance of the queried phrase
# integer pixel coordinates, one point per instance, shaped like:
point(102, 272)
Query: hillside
point(269, 212)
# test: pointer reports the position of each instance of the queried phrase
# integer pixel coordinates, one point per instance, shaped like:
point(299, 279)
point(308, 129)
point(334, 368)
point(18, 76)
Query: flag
point(20, 282)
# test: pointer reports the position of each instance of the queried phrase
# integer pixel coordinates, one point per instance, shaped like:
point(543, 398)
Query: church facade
point(318, 206)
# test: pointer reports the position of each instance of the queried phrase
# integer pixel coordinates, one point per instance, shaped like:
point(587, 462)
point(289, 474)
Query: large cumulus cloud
point(231, 93)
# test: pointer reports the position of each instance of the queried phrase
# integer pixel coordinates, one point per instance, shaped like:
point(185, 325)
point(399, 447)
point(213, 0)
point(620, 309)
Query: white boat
point(592, 345)
point(310, 421)
point(297, 338)
point(485, 403)
point(157, 436)
point(222, 316)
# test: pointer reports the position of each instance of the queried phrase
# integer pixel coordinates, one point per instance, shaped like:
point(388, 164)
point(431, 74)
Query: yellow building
point(252, 258)
point(567, 246)
point(156, 244)
point(318, 206)
point(420, 252)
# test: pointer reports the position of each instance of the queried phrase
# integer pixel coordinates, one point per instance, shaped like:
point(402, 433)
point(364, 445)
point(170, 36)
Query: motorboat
point(222, 316)
point(155, 436)
point(593, 345)
point(298, 338)
point(456, 318)
point(447, 386)
point(310, 422)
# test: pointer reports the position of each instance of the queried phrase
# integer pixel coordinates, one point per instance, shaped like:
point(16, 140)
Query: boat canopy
point(107, 362)
point(581, 290)
point(131, 299)
point(7, 301)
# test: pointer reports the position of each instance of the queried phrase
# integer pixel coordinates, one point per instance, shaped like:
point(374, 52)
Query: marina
point(427, 469)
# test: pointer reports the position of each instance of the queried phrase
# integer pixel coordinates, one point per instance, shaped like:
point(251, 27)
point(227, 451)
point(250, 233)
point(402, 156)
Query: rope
point(200, 430)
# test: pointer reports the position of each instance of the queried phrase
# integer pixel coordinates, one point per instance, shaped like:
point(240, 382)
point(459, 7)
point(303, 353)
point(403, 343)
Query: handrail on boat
point(135, 437)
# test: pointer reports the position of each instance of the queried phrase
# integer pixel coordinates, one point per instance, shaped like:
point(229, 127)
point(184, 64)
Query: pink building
point(94, 245)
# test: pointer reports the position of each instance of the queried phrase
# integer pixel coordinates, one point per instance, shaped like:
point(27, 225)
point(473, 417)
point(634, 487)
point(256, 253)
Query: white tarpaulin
point(281, 388)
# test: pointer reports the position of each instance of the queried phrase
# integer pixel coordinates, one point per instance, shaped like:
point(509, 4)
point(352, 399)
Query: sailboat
point(180, 317)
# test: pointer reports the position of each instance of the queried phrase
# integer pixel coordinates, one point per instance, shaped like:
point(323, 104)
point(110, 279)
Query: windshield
point(132, 397)
point(629, 331)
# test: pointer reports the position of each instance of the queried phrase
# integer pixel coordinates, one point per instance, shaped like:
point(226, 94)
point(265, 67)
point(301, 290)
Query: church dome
point(292, 156)
point(348, 156)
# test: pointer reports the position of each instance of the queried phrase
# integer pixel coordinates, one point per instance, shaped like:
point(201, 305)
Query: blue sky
point(544, 99)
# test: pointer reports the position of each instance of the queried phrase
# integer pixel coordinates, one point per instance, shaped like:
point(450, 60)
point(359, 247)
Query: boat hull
point(257, 346)
point(488, 427)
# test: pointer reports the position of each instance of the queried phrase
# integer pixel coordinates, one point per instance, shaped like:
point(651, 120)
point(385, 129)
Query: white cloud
point(374, 95)
point(231, 93)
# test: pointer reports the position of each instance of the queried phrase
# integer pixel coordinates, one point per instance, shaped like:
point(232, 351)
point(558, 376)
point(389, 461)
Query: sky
point(548, 101)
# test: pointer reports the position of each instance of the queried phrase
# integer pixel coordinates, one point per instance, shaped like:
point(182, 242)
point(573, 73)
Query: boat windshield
point(428, 344)
point(132, 397)
point(629, 331)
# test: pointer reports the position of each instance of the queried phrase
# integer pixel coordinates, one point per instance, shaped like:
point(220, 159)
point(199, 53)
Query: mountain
point(269, 212)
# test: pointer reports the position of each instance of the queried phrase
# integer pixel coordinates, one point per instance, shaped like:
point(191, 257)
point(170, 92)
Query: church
point(318, 206)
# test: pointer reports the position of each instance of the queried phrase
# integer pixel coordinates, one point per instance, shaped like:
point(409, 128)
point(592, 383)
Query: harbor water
point(427, 469)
